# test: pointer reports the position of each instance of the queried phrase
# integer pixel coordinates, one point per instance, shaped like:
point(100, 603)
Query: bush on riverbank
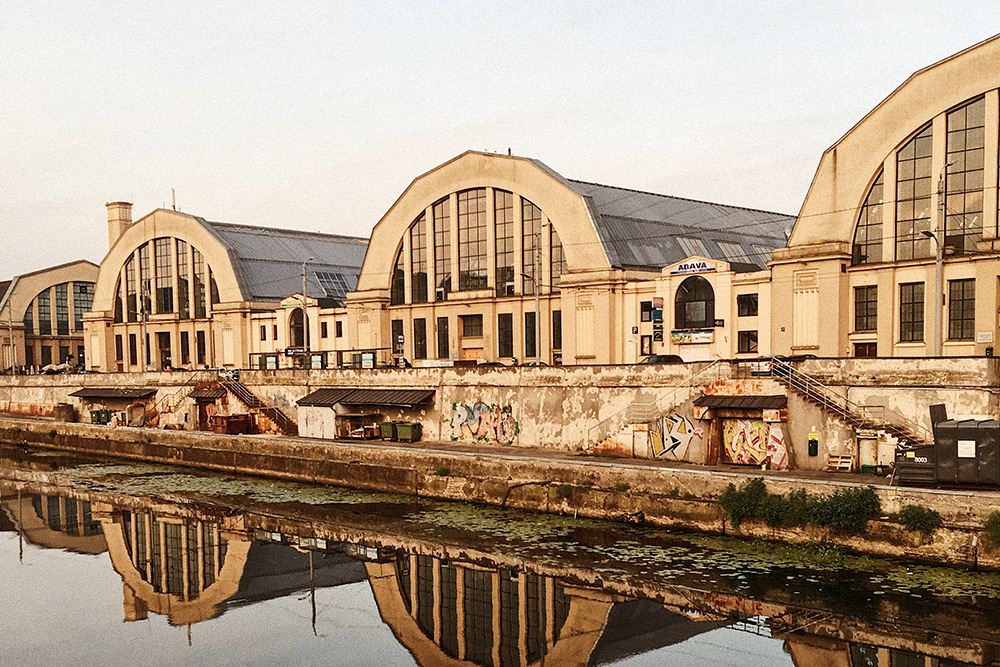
point(992, 527)
point(848, 509)
point(917, 518)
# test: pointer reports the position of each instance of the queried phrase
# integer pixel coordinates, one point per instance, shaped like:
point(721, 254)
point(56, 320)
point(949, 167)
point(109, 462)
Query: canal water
point(112, 563)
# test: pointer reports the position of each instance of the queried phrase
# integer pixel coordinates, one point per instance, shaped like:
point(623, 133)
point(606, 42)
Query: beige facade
point(858, 275)
point(178, 291)
point(42, 313)
point(472, 250)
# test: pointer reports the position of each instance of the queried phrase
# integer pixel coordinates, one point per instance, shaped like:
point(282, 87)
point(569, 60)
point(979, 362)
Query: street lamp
point(938, 286)
point(305, 322)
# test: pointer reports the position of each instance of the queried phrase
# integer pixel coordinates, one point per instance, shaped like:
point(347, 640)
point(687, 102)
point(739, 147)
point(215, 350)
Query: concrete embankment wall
point(564, 407)
point(599, 488)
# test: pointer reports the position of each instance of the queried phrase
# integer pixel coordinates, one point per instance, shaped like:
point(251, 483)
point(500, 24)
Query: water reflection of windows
point(66, 515)
point(517, 631)
point(180, 557)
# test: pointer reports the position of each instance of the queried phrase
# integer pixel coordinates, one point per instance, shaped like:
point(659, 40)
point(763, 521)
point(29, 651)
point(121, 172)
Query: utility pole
point(143, 316)
point(538, 294)
point(938, 235)
point(305, 319)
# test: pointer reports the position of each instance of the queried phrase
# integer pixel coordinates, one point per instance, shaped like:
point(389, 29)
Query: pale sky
point(317, 115)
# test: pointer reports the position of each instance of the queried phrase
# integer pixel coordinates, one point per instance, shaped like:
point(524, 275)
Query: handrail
point(158, 406)
point(851, 412)
point(656, 408)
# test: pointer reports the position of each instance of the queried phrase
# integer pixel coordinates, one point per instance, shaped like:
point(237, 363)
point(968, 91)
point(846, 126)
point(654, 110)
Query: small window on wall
point(263, 332)
point(866, 350)
point(866, 308)
point(419, 338)
point(505, 335)
point(911, 312)
point(472, 326)
point(645, 346)
point(322, 330)
point(646, 311)
point(746, 305)
point(397, 336)
point(339, 329)
point(746, 342)
point(962, 309)
point(694, 305)
point(133, 350)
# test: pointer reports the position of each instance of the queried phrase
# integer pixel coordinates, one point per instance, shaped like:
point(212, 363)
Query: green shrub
point(622, 487)
point(744, 503)
point(674, 492)
point(918, 518)
point(52, 434)
point(564, 490)
point(443, 471)
point(847, 509)
point(992, 527)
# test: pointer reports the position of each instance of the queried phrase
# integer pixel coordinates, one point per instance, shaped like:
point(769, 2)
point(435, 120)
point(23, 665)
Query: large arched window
point(867, 248)
point(147, 283)
point(297, 328)
point(397, 289)
point(913, 196)
point(694, 305)
point(964, 177)
point(472, 239)
point(418, 260)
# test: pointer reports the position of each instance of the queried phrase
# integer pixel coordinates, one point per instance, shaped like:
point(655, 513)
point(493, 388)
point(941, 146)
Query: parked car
point(662, 359)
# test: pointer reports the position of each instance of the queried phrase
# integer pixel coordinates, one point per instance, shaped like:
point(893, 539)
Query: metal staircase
point(249, 399)
point(858, 416)
point(640, 413)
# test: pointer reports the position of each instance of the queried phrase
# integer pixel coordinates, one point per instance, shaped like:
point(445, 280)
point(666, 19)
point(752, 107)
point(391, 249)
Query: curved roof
point(639, 230)
point(271, 259)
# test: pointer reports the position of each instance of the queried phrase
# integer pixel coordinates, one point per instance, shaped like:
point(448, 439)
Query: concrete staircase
point(249, 399)
point(878, 417)
point(645, 412)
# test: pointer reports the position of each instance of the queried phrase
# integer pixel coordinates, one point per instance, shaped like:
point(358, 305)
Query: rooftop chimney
point(119, 219)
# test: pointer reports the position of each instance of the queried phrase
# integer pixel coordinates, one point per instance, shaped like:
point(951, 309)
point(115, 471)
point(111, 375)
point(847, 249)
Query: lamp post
point(305, 320)
point(938, 293)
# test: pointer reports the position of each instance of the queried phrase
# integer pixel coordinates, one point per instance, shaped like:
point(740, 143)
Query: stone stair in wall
point(249, 399)
point(642, 413)
point(905, 430)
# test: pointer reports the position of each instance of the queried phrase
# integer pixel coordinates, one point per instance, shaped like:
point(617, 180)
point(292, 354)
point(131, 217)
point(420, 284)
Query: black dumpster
point(915, 467)
point(967, 452)
point(988, 453)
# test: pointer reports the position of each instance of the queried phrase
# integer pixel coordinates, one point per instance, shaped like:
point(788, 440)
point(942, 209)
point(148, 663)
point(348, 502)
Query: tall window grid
point(397, 290)
point(183, 294)
point(418, 260)
point(472, 264)
point(44, 314)
point(557, 259)
point(442, 250)
point(913, 196)
point(866, 308)
point(962, 309)
point(62, 310)
point(911, 312)
point(504, 212)
point(964, 177)
point(531, 225)
point(867, 247)
point(83, 301)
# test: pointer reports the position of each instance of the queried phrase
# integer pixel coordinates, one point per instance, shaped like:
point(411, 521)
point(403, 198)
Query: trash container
point(988, 453)
point(388, 430)
point(408, 431)
point(915, 466)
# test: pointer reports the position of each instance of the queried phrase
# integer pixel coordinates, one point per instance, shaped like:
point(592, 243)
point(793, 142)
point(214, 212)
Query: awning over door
point(741, 402)
point(207, 393)
point(114, 392)
point(351, 396)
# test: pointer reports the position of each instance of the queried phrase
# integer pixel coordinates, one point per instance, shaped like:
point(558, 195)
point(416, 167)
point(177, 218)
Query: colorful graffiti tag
point(671, 436)
point(752, 442)
point(482, 421)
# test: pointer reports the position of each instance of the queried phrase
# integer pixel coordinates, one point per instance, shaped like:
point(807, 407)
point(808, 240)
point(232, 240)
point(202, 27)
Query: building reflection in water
point(190, 565)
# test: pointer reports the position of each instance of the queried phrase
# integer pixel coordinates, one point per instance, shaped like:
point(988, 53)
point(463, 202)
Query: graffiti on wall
point(671, 435)
point(482, 421)
point(752, 442)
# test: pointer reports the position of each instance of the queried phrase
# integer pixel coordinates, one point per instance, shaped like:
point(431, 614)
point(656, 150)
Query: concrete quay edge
point(663, 494)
